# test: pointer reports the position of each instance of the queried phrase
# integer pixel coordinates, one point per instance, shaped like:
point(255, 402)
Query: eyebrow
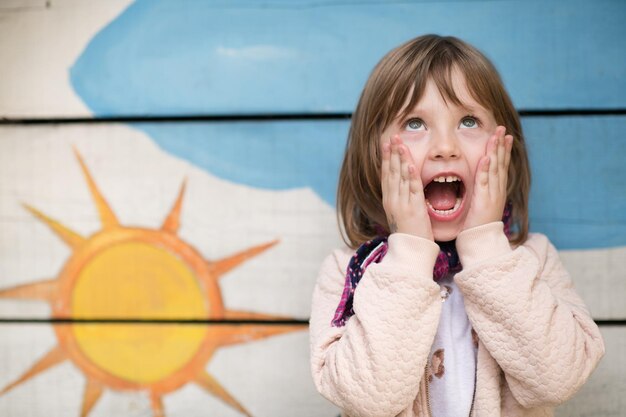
point(471, 109)
point(465, 107)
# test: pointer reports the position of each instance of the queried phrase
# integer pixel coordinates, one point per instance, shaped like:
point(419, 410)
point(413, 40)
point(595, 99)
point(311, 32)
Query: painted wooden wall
point(167, 174)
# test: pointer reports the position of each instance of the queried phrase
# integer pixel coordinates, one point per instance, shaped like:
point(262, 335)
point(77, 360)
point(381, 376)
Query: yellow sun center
point(128, 293)
point(140, 281)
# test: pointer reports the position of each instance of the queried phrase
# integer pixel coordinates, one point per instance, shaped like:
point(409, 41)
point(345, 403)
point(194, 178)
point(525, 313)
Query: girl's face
point(447, 141)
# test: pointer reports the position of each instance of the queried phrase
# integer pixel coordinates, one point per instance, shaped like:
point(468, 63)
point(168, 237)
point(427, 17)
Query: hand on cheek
point(403, 193)
point(489, 195)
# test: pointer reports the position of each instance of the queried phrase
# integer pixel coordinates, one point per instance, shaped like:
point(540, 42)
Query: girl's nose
point(444, 146)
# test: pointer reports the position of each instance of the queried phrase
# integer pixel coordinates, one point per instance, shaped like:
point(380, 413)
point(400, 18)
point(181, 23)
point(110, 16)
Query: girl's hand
point(489, 195)
point(403, 193)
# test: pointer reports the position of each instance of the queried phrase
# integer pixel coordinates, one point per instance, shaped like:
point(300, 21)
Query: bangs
point(392, 91)
point(440, 66)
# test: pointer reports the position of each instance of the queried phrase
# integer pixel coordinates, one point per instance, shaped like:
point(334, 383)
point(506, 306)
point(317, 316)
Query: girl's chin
point(445, 232)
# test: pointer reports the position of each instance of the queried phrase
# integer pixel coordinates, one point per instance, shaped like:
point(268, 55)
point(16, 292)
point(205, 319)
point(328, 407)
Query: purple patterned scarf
point(375, 250)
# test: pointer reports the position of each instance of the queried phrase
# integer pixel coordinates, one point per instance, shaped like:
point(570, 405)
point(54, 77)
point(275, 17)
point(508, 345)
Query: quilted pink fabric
point(537, 341)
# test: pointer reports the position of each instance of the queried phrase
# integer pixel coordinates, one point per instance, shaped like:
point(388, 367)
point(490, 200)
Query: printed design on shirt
point(436, 365)
point(445, 292)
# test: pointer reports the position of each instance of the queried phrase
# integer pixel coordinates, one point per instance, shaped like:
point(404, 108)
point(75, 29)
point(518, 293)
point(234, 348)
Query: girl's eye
point(414, 125)
point(469, 122)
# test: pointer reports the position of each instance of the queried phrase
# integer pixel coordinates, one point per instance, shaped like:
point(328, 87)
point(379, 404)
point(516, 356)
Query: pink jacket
point(537, 341)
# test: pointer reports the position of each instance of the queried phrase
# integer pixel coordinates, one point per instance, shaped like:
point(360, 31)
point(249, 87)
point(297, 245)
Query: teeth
point(445, 212)
point(449, 178)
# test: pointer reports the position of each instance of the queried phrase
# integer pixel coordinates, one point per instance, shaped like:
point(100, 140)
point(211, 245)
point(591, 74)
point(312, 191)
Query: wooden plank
point(141, 183)
point(263, 374)
point(579, 188)
point(251, 183)
point(161, 58)
point(39, 42)
point(603, 394)
point(20, 5)
point(268, 377)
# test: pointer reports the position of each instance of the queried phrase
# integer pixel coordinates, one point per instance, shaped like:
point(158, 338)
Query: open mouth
point(444, 194)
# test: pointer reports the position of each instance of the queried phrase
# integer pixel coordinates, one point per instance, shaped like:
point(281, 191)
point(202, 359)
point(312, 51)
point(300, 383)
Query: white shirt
point(452, 361)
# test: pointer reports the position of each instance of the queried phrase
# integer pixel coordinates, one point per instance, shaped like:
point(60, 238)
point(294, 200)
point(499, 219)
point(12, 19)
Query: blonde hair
point(405, 68)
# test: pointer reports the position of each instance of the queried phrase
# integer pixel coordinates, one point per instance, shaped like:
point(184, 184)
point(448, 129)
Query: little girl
point(444, 305)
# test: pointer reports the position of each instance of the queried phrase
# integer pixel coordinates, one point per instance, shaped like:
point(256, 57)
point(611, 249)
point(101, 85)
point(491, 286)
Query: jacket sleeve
point(373, 365)
point(523, 306)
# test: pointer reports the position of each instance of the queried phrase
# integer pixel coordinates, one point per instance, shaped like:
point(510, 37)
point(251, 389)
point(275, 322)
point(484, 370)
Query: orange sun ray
point(232, 334)
point(172, 222)
point(52, 358)
point(212, 386)
point(107, 217)
point(93, 391)
point(157, 405)
point(222, 266)
point(73, 239)
point(163, 267)
point(41, 290)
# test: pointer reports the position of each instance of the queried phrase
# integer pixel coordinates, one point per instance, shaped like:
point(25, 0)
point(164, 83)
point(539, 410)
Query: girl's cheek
point(475, 142)
point(412, 137)
point(478, 134)
point(418, 148)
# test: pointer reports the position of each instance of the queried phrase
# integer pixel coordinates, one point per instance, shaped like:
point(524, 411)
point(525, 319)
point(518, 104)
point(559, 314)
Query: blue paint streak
point(208, 57)
point(578, 195)
point(269, 155)
point(163, 57)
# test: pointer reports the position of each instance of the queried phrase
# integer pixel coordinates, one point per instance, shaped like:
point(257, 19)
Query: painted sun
point(123, 293)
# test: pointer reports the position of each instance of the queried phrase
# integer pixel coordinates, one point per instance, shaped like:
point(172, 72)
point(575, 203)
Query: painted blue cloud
point(272, 155)
point(163, 58)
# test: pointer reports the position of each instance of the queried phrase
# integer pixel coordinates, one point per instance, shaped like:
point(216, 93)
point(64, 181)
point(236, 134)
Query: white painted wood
point(21, 5)
point(262, 61)
point(57, 391)
point(38, 45)
point(600, 279)
point(603, 394)
point(141, 183)
point(270, 378)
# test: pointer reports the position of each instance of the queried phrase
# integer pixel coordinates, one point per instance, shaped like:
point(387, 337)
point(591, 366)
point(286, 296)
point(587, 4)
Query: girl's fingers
point(482, 174)
point(508, 148)
point(410, 181)
point(415, 184)
point(508, 145)
point(493, 180)
point(392, 188)
point(403, 192)
point(501, 151)
point(404, 173)
point(501, 180)
point(416, 188)
point(394, 164)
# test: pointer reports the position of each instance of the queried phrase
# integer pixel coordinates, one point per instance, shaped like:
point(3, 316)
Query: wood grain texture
point(268, 377)
point(158, 58)
point(603, 394)
point(251, 183)
point(141, 183)
point(38, 45)
point(225, 188)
